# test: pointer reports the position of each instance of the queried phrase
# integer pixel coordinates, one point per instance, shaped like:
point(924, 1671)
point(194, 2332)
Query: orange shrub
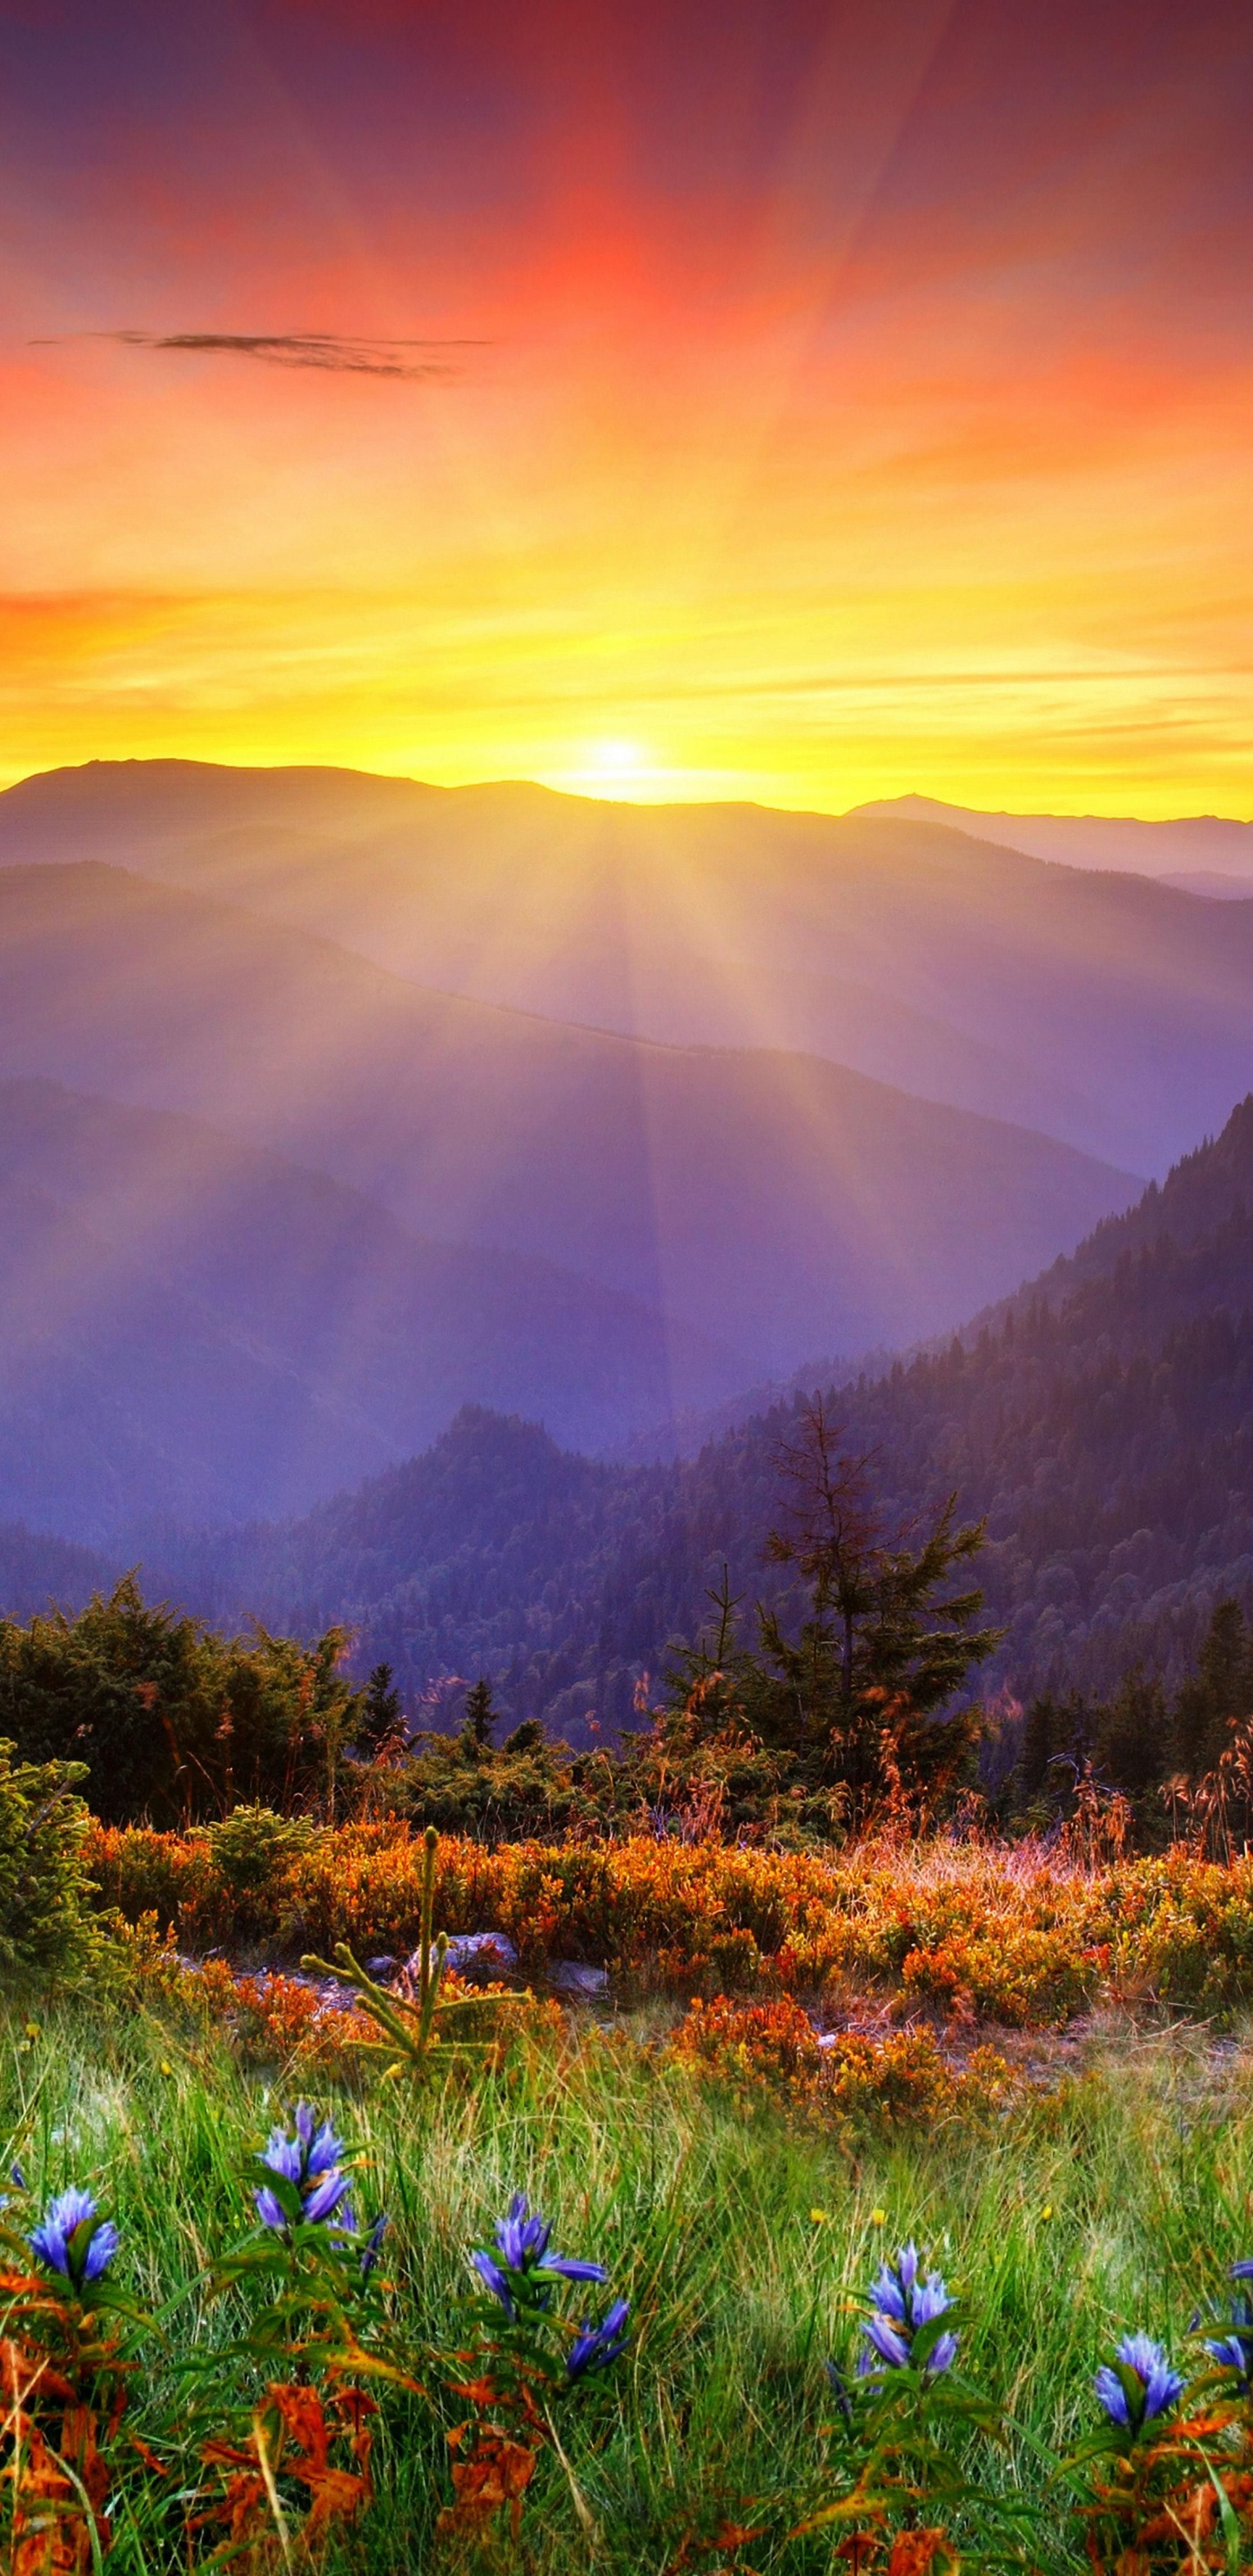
point(857, 2081)
point(1013, 1936)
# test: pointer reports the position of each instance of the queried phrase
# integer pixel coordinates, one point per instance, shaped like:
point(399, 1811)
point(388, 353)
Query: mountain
point(1109, 1012)
point(1191, 852)
point(189, 1327)
point(1210, 883)
point(763, 1204)
point(1102, 1419)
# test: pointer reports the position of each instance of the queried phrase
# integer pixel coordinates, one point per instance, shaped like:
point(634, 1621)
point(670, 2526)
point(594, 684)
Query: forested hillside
point(1103, 1423)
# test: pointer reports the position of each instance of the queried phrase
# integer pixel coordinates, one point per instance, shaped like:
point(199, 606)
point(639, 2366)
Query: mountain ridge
point(1106, 1009)
point(804, 1203)
point(1107, 1435)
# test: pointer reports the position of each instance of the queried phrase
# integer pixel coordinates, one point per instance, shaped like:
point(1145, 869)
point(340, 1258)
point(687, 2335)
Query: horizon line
point(607, 795)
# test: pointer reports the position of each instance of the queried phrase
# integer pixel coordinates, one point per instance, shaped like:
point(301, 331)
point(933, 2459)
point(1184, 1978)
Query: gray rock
point(474, 1954)
point(573, 1977)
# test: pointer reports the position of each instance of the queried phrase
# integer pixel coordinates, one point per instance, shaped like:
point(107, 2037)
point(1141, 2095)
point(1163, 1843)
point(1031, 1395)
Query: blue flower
point(1234, 2350)
point(597, 2346)
point(71, 2240)
point(1159, 2386)
point(901, 2304)
point(373, 2245)
point(495, 2280)
point(309, 2161)
point(526, 2268)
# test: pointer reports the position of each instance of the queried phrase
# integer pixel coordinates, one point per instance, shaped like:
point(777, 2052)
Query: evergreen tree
point(1221, 1689)
point(844, 1708)
point(480, 1713)
point(1133, 1739)
point(1058, 1737)
point(382, 1717)
point(856, 1695)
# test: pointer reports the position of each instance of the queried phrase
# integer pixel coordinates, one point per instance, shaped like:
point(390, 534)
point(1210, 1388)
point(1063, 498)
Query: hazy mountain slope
point(38, 1572)
point(188, 1326)
point(1202, 843)
point(1106, 1431)
point(1212, 884)
point(773, 1203)
point(1104, 1009)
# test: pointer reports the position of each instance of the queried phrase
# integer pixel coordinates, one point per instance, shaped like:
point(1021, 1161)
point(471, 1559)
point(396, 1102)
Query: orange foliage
point(774, 2047)
point(1014, 1936)
point(318, 2443)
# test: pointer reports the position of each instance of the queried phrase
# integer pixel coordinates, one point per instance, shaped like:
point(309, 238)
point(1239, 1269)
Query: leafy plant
point(46, 1921)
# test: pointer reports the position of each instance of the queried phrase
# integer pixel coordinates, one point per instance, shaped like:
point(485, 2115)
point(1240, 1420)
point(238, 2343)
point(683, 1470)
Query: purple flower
point(901, 2305)
point(309, 2162)
point(284, 2156)
point(71, 2240)
point(1137, 2359)
point(1234, 2350)
point(495, 2280)
point(523, 2240)
point(887, 2342)
point(526, 2269)
point(373, 2245)
point(597, 2346)
point(325, 2197)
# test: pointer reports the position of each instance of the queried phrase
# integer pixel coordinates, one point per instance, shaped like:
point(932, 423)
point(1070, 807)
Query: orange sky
point(813, 402)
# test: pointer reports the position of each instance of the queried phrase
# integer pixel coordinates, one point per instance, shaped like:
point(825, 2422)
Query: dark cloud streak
point(324, 351)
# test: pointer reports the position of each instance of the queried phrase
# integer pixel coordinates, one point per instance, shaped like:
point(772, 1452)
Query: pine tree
point(480, 1716)
point(855, 1696)
point(1221, 1689)
point(382, 1717)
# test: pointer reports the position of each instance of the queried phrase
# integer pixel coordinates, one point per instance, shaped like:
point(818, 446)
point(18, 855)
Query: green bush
point(45, 1893)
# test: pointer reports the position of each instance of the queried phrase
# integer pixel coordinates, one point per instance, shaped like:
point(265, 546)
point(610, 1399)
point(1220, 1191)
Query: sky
point(802, 400)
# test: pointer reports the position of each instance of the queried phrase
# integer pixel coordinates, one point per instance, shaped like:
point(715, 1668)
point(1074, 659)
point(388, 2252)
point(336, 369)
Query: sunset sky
point(760, 398)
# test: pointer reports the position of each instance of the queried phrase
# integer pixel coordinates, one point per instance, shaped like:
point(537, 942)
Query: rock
point(573, 1977)
point(473, 1954)
point(379, 1967)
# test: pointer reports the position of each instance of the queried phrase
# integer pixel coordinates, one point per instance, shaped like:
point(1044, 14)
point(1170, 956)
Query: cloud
point(326, 351)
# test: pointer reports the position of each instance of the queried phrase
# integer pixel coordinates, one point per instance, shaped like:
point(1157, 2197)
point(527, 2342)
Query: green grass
point(704, 2218)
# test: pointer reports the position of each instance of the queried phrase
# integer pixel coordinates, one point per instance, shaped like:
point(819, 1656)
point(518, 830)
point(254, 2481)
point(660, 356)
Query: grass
point(1114, 2202)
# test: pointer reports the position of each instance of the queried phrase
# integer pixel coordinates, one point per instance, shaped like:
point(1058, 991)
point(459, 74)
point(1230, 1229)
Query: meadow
point(742, 2185)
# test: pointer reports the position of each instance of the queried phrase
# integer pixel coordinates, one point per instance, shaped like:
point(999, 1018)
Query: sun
point(618, 759)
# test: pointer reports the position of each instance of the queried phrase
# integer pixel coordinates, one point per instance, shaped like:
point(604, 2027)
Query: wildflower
point(1140, 2383)
point(878, 2218)
point(309, 2161)
point(901, 2305)
point(1234, 2351)
point(1047, 2210)
point(817, 2218)
point(372, 2247)
point(526, 2268)
point(72, 2240)
point(597, 2346)
point(840, 2385)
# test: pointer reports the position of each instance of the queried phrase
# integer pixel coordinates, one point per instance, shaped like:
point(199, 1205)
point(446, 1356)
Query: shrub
point(45, 1893)
point(859, 2082)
